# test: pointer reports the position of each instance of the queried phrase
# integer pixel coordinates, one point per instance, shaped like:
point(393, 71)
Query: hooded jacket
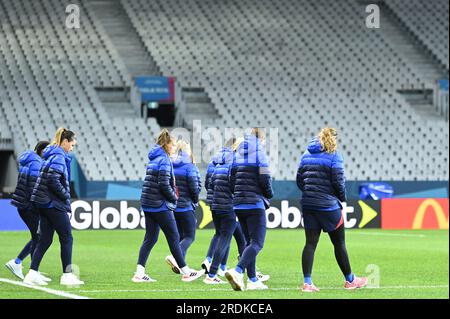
point(250, 179)
point(222, 197)
point(188, 182)
point(52, 187)
point(29, 167)
point(320, 177)
point(159, 183)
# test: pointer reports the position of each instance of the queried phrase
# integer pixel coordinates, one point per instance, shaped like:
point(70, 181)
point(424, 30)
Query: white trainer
point(15, 269)
point(45, 278)
point(34, 279)
point(262, 277)
point(142, 278)
point(173, 264)
point(221, 273)
point(69, 279)
point(193, 275)
point(257, 285)
point(206, 265)
point(213, 281)
point(235, 279)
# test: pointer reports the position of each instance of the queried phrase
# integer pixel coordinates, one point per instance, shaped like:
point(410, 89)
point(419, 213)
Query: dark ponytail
point(39, 148)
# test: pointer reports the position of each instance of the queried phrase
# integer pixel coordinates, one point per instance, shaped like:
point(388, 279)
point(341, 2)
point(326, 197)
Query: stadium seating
point(292, 64)
point(428, 20)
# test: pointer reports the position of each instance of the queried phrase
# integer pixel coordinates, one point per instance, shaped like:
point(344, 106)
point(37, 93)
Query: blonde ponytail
point(183, 146)
point(164, 139)
point(328, 139)
point(237, 143)
point(58, 136)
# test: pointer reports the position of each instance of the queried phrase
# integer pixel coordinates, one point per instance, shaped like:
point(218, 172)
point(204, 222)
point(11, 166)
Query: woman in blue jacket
point(223, 214)
point(251, 185)
point(321, 179)
point(159, 200)
point(51, 196)
point(188, 182)
point(29, 166)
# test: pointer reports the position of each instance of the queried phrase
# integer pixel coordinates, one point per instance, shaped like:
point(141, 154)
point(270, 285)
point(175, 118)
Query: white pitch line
point(47, 290)
point(387, 234)
point(273, 289)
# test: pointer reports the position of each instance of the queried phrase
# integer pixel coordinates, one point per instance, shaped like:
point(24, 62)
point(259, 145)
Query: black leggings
point(340, 251)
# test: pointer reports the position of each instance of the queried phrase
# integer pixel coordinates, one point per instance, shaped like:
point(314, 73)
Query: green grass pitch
point(411, 264)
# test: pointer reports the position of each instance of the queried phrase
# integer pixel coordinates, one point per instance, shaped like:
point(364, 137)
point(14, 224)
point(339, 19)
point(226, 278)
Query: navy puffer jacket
point(320, 177)
point(29, 167)
point(250, 178)
point(209, 190)
point(53, 184)
point(220, 182)
point(159, 183)
point(188, 182)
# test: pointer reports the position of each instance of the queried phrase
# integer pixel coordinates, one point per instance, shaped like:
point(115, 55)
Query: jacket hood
point(249, 145)
point(315, 146)
point(225, 156)
point(155, 152)
point(53, 150)
point(181, 159)
point(28, 157)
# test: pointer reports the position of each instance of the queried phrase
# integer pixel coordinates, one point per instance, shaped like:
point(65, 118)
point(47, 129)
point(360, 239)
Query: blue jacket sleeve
point(338, 177)
point(164, 181)
point(194, 183)
point(264, 176)
point(300, 179)
point(57, 179)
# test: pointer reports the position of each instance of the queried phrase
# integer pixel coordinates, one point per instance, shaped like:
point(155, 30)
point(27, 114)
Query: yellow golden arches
point(207, 215)
point(438, 211)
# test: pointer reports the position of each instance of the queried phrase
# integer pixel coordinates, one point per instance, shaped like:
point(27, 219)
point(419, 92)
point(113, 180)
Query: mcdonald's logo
point(415, 213)
point(438, 211)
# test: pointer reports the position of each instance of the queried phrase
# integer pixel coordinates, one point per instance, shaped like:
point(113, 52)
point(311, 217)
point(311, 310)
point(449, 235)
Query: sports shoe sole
point(174, 268)
point(12, 271)
point(234, 284)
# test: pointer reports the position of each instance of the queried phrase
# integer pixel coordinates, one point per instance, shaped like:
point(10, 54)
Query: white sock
point(140, 270)
point(186, 270)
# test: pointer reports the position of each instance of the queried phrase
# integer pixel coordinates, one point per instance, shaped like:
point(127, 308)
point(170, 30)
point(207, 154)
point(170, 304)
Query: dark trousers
point(52, 220)
point(238, 237)
point(186, 225)
point(253, 224)
point(31, 218)
point(153, 223)
point(225, 225)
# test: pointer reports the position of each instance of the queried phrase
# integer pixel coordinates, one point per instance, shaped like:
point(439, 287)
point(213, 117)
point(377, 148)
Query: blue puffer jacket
point(250, 178)
point(188, 182)
point(320, 177)
point(159, 184)
point(52, 188)
point(209, 190)
point(222, 201)
point(29, 167)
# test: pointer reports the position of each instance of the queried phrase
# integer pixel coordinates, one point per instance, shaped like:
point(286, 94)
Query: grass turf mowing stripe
point(273, 289)
point(47, 290)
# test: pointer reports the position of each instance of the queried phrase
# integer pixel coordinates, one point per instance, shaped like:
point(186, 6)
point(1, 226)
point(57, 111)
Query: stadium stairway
point(124, 37)
point(116, 102)
point(198, 107)
point(407, 44)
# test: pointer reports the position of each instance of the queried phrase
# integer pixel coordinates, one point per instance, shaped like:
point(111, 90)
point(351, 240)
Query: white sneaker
point(235, 279)
point(257, 285)
point(173, 264)
point(34, 279)
point(16, 269)
point(193, 275)
point(206, 266)
point(69, 279)
point(213, 281)
point(142, 278)
point(221, 273)
point(262, 277)
point(44, 278)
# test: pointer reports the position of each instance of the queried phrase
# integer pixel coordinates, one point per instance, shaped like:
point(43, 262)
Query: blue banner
point(444, 85)
point(9, 217)
point(155, 89)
